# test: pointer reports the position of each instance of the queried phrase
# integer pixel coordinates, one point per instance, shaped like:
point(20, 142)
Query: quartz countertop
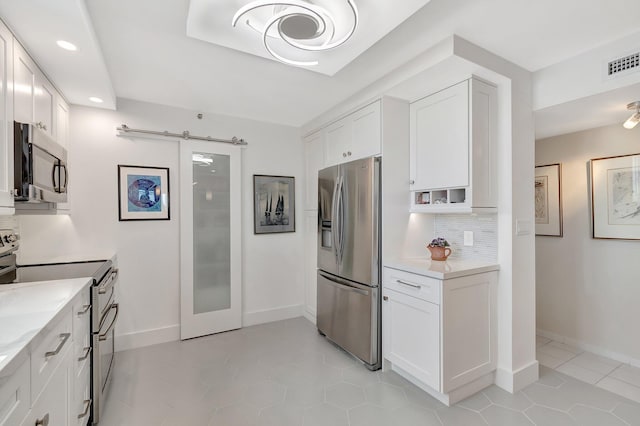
point(25, 259)
point(441, 270)
point(25, 311)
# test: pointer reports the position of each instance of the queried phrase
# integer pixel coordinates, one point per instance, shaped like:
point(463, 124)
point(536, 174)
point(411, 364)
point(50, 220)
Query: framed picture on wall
point(615, 197)
point(273, 204)
point(548, 200)
point(143, 193)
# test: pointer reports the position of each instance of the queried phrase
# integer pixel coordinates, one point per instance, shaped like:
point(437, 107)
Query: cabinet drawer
point(415, 285)
point(81, 404)
point(46, 357)
point(14, 396)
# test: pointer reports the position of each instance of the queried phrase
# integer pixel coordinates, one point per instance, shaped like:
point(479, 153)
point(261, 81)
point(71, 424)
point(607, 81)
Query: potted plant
point(438, 248)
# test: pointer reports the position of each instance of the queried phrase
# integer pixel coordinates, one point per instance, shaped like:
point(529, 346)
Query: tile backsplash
point(485, 235)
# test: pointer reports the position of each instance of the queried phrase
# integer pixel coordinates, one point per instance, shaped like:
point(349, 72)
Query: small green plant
point(439, 242)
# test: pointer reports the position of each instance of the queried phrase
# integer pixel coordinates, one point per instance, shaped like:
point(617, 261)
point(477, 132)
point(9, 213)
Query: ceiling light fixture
point(96, 100)
point(299, 24)
point(66, 45)
point(635, 117)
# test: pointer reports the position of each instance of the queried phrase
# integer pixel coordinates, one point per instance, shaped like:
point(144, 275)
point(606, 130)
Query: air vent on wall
point(620, 65)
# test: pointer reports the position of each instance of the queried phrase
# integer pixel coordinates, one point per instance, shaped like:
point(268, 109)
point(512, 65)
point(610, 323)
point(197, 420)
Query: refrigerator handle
point(334, 219)
point(339, 219)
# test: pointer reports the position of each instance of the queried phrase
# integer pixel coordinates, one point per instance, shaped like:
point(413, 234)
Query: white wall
point(149, 252)
point(588, 290)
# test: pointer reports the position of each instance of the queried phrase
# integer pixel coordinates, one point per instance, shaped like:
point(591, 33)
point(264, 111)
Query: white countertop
point(441, 270)
point(25, 311)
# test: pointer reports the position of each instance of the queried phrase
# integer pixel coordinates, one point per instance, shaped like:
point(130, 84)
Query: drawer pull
point(87, 405)
point(43, 421)
point(409, 284)
point(65, 337)
point(85, 309)
point(87, 351)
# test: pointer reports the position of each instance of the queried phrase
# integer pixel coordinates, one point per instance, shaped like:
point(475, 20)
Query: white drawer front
point(81, 404)
point(49, 353)
point(415, 285)
point(14, 396)
point(81, 314)
point(52, 406)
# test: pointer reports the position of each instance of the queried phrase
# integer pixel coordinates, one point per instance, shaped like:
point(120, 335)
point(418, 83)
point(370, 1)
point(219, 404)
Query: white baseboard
point(310, 314)
point(598, 350)
point(513, 381)
point(270, 315)
point(144, 338)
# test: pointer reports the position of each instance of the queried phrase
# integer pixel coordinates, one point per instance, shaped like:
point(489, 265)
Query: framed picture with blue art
point(143, 193)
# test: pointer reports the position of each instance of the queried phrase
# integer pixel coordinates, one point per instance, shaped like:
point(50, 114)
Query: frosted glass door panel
point(210, 238)
point(211, 233)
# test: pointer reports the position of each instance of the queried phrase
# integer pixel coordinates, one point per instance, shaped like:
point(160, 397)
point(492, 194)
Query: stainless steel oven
point(104, 315)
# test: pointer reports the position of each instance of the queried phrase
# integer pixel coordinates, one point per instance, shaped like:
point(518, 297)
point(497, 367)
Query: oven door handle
point(104, 287)
point(102, 337)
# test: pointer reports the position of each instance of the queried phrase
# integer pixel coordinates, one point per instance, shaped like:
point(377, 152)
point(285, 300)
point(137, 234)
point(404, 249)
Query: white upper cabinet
point(355, 136)
point(453, 149)
point(24, 80)
point(6, 121)
point(314, 161)
point(44, 104)
point(62, 122)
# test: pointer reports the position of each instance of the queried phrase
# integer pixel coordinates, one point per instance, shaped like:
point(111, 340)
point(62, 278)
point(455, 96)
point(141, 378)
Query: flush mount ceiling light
point(635, 117)
point(96, 100)
point(300, 25)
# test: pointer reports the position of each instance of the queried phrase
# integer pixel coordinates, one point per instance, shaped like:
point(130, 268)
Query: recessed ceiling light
point(66, 45)
point(96, 100)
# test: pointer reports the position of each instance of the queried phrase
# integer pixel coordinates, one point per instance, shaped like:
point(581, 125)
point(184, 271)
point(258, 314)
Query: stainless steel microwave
point(40, 166)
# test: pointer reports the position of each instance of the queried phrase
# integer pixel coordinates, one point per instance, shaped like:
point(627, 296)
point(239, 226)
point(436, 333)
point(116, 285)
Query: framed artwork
point(615, 197)
point(273, 204)
point(548, 200)
point(143, 193)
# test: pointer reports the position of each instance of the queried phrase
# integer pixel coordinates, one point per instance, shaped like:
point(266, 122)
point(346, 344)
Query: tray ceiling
point(210, 21)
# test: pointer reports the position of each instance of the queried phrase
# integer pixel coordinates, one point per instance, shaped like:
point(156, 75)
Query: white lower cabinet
point(411, 326)
point(440, 334)
point(52, 386)
point(51, 407)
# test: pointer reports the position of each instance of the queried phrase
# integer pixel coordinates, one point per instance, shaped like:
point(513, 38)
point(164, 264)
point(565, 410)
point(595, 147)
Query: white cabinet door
point(355, 136)
point(411, 336)
point(15, 395)
point(6, 121)
point(337, 141)
point(52, 405)
point(366, 139)
point(62, 122)
point(24, 75)
point(310, 262)
point(44, 104)
point(314, 161)
point(439, 139)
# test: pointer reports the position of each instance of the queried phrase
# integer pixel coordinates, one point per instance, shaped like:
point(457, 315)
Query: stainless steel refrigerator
point(349, 253)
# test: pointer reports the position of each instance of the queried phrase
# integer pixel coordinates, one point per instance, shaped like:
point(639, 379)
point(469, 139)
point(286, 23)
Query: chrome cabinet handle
point(349, 153)
point(87, 405)
point(85, 309)
point(65, 337)
point(385, 298)
point(87, 351)
point(43, 421)
point(103, 288)
point(411, 182)
point(409, 284)
point(102, 337)
point(344, 155)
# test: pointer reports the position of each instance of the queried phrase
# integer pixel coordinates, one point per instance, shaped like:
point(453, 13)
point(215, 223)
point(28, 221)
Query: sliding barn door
point(210, 238)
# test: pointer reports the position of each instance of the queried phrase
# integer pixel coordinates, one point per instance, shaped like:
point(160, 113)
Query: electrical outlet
point(468, 238)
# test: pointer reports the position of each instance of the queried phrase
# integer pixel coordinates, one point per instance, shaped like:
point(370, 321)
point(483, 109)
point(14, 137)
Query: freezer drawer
point(348, 314)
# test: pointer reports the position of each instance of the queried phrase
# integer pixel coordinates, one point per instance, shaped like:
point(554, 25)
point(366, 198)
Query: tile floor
point(285, 374)
point(605, 373)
